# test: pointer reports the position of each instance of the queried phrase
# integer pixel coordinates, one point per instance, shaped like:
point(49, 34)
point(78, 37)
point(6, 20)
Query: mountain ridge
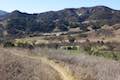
point(19, 23)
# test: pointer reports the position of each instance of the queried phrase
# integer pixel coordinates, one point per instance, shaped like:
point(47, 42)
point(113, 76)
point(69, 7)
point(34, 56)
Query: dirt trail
point(63, 72)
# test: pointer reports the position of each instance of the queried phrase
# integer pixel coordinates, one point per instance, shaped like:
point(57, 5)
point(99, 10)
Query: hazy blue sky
point(38, 6)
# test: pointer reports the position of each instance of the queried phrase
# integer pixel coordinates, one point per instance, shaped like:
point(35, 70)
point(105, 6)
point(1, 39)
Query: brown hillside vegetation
point(19, 68)
point(21, 64)
point(86, 67)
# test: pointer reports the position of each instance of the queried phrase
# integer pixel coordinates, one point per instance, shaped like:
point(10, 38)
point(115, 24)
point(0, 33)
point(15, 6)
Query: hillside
point(21, 64)
point(21, 24)
point(15, 67)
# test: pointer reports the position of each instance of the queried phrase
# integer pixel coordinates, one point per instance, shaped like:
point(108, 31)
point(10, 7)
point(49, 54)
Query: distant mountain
point(2, 13)
point(17, 23)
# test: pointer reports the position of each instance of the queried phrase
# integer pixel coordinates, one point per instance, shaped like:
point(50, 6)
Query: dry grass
point(18, 68)
point(86, 67)
point(83, 67)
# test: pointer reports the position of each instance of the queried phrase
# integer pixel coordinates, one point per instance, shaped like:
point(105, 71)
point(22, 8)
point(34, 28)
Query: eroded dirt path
point(64, 73)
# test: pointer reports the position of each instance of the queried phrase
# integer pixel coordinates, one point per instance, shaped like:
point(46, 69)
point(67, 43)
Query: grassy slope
point(63, 73)
point(85, 67)
point(14, 67)
point(17, 64)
